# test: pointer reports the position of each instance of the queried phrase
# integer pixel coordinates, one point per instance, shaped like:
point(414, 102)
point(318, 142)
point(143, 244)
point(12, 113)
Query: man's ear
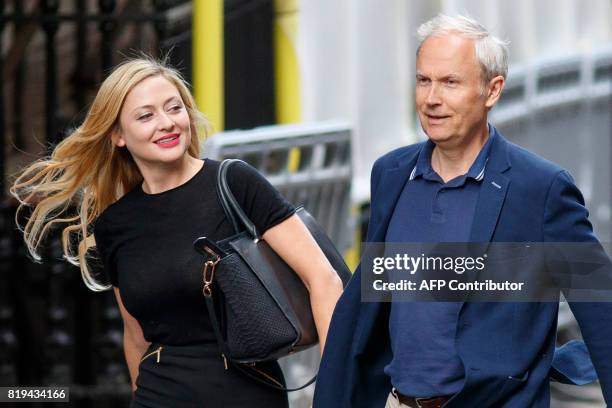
point(494, 90)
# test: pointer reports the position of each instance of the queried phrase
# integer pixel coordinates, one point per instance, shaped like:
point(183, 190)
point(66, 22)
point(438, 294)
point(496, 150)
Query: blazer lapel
point(491, 199)
point(492, 192)
point(490, 202)
point(388, 191)
point(384, 199)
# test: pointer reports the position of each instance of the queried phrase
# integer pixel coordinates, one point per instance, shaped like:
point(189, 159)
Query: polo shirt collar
point(424, 169)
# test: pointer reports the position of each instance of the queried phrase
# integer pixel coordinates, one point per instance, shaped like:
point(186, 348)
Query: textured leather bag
point(258, 306)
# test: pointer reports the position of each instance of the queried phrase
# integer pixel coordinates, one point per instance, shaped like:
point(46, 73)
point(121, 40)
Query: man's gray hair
point(491, 52)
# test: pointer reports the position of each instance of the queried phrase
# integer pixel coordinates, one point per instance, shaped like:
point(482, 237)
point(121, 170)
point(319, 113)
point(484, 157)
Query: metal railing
point(310, 164)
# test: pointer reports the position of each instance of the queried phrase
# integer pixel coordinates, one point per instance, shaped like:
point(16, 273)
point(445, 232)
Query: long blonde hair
point(86, 170)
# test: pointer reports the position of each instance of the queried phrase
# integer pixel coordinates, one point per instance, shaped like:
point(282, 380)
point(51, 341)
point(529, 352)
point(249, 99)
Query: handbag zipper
point(224, 361)
point(156, 351)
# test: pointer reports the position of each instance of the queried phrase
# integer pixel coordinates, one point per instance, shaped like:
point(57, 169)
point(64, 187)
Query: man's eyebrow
point(452, 75)
point(150, 106)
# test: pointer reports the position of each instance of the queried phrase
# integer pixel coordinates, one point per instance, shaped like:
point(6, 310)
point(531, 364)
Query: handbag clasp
point(209, 272)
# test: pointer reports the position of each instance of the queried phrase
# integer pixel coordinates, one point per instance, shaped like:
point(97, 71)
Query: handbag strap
point(210, 306)
point(232, 209)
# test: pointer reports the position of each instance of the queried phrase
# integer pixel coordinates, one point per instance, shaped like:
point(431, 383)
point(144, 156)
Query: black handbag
point(258, 306)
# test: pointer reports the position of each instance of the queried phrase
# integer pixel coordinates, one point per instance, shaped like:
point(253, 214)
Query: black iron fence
point(54, 331)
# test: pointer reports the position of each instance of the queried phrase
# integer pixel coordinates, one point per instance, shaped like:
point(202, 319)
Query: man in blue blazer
point(467, 183)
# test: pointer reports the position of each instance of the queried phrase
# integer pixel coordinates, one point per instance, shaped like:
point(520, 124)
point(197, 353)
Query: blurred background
point(310, 92)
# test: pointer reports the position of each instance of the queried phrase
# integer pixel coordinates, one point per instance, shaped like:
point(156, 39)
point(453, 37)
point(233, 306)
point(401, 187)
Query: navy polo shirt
point(425, 362)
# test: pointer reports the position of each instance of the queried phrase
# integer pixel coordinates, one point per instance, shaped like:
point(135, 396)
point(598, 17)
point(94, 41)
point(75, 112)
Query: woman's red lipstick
point(169, 140)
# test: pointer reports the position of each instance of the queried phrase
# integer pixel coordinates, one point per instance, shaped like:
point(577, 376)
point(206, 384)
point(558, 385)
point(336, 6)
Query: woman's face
point(155, 125)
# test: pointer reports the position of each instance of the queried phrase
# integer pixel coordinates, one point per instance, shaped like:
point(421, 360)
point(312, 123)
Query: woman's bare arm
point(292, 241)
point(134, 343)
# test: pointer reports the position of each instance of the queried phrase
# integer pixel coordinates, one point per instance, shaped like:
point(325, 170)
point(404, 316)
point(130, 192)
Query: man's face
point(449, 99)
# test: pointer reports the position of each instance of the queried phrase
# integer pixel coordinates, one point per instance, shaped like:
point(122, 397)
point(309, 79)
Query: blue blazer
point(507, 349)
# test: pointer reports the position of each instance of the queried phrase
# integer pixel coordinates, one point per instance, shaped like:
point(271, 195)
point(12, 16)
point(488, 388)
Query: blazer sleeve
point(566, 220)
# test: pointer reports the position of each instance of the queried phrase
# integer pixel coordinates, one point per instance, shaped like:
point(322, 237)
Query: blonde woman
point(143, 196)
